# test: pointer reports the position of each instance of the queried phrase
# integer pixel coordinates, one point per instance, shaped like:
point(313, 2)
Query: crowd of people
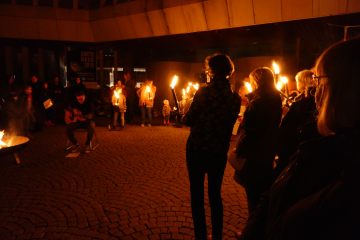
point(313, 191)
point(300, 168)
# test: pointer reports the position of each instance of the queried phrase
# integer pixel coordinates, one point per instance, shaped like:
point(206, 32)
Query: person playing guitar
point(80, 117)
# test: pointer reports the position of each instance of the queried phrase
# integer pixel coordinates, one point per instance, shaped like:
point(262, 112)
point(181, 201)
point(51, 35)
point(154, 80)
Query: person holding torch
point(119, 106)
point(146, 96)
point(211, 117)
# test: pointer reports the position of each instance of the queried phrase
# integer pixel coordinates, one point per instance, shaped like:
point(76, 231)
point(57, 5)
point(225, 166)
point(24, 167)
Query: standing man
point(146, 96)
point(130, 91)
point(38, 96)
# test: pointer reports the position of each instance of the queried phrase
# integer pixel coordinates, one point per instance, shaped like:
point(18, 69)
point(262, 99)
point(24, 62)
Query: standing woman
point(211, 117)
point(261, 122)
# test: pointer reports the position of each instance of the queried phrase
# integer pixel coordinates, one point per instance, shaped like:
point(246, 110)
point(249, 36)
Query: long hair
point(338, 95)
point(262, 79)
point(304, 80)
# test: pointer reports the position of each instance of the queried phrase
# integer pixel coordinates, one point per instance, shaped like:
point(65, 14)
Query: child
point(166, 112)
point(26, 109)
point(119, 106)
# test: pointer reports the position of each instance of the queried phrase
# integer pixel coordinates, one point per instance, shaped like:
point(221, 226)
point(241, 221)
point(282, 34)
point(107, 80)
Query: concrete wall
point(150, 18)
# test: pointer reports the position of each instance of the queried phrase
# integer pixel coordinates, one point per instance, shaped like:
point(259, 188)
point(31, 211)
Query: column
point(25, 65)
point(9, 60)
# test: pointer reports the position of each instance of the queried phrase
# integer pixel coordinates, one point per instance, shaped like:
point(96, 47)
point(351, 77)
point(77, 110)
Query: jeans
point(146, 111)
point(166, 119)
point(122, 120)
point(198, 163)
point(88, 125)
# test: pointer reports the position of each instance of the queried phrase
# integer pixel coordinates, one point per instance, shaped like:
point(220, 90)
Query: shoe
point(109, 127)
point(74, 148)
point(120, 128)
point(149, 125)
point(142, 125)
point(167, 125)
point(87, 149)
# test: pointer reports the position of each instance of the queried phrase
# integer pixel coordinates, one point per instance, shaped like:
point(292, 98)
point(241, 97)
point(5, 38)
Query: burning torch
point(117, 98)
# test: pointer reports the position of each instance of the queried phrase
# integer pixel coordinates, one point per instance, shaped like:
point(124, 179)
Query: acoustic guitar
point(71, 115)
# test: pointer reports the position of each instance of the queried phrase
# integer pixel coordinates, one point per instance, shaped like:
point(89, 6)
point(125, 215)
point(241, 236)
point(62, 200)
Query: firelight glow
point(248, 86)
point(1, 142)
point(190, 83)
point(279, 85)
point(284, 80)
point(147, 88)
point(188, 89)
point(174, 81)
point(116, 94)
point(276, 68)
point(196, 86)
point(184, 92)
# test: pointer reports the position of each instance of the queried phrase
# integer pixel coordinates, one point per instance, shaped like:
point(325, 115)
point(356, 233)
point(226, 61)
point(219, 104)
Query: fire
point(196, 86)
point(116, 94)
point(147, 88)
point(175, 79)
point(2, 144)
point(184, 92)
point(284, 80)
point(276, 68)
point(279, 85)
point(248, 86)
point(175, 108)
point(190, 84)
point(188, 89)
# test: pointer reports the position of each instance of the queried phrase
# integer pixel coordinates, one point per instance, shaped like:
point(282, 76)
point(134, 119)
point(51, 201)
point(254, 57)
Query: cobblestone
point(134, 185)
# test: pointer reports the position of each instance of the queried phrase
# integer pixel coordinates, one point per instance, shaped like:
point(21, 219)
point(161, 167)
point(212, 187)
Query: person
point(57, 95)
point(317, 196)
point(146, 101)
point(299, 124)
point(25, 109)
point(9, 90)
point(49, 111)
point(85, 120)
point(166, 112)
point(258, 134)
point(211, 117)
point(130, 94)
point(119, 107)
point(244, 103)
point(76, 87)
point(38, 97)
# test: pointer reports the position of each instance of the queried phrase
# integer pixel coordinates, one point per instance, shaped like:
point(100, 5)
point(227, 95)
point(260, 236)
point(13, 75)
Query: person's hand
point(240, 119)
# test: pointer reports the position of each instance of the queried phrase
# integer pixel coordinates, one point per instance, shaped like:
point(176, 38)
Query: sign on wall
point(81, 62)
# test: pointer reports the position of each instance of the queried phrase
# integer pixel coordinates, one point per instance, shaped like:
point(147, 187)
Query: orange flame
point(276, 68)
point(279, 85)
point(188, 89)
point(284, 80)
point(184, 92)
point(116, 94)
point(248, 86)
point(147, 88)
point(175, 79)
point(1, 142)
point(196, 86)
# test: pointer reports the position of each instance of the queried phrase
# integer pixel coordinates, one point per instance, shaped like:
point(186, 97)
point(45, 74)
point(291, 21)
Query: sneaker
point(149, 125)
point(87, 149)
point(142, 125)
point(75, 148)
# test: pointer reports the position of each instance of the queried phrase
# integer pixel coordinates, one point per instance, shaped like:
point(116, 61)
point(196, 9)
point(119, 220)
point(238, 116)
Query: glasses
point(316, 79)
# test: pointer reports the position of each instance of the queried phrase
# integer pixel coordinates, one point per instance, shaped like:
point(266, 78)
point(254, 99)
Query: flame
point(116, 94)
point(147, 88)
point(196, 86)
point(284, 80)
point(1, 142)
point(175, 108)
point(188, 89)
point(190, 83)
point(279, 85)
point(184, 92)
point(175, 79)
point(248, 86)
point(276, 68)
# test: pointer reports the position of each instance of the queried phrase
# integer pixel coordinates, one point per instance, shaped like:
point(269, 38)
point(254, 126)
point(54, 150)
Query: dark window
point(45, 3)
point(84, 4)
point(5, 1)
point(24, 2)
point(94, 4)
point(66, 3)
point(108, 3)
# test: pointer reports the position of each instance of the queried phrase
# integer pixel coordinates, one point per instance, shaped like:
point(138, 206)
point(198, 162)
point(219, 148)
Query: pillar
point(41, 64)
point(56, 63)
point(115, 66)
point(9, 61)
point(25, 65)
point(101, 60)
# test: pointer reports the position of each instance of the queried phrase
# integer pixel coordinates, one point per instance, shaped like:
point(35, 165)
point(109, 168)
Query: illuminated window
point(139, 69)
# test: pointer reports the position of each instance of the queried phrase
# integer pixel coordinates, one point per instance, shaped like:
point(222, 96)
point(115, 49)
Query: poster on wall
point(81, 62)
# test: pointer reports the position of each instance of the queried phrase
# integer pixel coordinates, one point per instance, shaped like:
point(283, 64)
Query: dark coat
point(297, 126)
point(38, 93)
point(58, 96)
point(130, 88)
point(211, 117)
point(260, 125)
point(316, 197)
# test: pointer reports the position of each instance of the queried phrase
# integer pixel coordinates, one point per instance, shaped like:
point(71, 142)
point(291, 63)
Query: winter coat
point(211, 117)
point(316, 197)
point(38, 93)
point(121, 100)
point(144, 96)
point(166, 110)
point(58, 96)
point(130, 88)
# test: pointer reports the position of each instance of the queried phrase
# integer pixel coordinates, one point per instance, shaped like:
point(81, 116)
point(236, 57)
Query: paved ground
point(133, 186)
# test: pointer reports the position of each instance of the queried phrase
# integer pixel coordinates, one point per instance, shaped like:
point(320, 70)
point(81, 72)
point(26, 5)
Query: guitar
point(71, 115)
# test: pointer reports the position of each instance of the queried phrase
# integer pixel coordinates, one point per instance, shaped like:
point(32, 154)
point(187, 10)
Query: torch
point(175, 79)
point(148, 90)
point(284, 80)
point(248, 86)
point(117, 98)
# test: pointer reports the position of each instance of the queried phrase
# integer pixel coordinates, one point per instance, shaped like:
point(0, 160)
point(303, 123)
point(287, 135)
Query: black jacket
point(316, 197)
point(38, 93)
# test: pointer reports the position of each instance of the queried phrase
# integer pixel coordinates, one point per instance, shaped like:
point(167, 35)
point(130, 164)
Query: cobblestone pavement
point(133, 186)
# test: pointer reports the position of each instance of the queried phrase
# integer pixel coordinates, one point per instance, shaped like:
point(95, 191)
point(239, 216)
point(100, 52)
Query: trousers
point(88, 125)
point(146, 111)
